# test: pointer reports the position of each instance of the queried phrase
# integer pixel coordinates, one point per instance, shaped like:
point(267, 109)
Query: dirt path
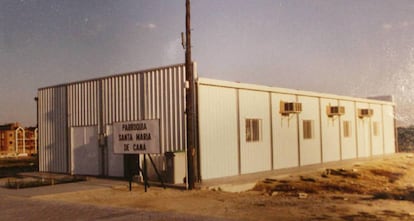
point(376, 190)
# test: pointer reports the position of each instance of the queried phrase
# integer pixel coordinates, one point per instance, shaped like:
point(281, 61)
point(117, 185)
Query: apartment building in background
point(16, 140)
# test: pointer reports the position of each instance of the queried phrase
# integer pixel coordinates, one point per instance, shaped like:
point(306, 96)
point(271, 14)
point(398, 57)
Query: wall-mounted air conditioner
point(335, 111)
point(365, 112)
point(287, 108)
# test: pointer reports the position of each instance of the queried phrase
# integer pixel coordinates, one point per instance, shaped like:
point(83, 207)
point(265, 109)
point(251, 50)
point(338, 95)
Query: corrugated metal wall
point(164, 93)
point(83, 109)
point(53, 130)
point(151, 94)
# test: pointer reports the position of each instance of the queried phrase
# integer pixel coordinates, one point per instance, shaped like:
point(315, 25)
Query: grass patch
point(19, 183)
point(392, 176)
point(10, 167)
point(341, 187)
point(18, 162)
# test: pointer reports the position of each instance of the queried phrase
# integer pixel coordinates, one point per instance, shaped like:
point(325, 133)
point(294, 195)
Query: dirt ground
point(381, 189)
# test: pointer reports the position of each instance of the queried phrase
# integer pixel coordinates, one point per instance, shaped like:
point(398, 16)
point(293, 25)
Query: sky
point(345, 47)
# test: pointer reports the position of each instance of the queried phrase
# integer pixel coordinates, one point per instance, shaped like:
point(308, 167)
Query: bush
point(406, 139)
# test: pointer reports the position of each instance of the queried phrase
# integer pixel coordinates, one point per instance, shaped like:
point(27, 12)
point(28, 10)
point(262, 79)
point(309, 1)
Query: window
point(253, 130)
point(347, 128)
point(307, 129)
point(376, 128)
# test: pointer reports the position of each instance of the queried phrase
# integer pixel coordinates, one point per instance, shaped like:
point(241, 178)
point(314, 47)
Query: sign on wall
point(136, 137)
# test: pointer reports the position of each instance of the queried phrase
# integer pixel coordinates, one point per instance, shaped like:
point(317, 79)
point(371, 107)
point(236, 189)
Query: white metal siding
point(217, 113)
point(349, 144)
point(53, 147)
point(363, 132)
point(255, 156)
point(218, 131)
point(388, 129)
point(285, 134)
point(330, 132)
point(377, 141)
point(310, 149)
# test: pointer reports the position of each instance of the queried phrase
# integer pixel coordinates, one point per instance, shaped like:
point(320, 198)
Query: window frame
point(253, 130)
point(308, 129)
point(347, 128)
point(376, 128)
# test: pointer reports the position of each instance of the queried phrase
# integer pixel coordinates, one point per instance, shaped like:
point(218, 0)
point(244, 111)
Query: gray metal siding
point(53, 132)
point(83, 104)
point(152, 94)
point(122, 99)
point(164, 94)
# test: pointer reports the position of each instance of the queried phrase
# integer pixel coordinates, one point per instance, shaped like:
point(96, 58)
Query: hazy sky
point(356, 48)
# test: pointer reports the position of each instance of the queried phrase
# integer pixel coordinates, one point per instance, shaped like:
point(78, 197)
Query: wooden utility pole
point(190, 110)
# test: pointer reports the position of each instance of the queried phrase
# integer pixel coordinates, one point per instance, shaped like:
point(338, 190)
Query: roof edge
point(113, 75)
point(256, 87)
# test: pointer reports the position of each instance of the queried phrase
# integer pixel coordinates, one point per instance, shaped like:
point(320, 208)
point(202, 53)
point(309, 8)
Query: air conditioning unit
point(335, 110)
point(365, 112)
point(287, 108)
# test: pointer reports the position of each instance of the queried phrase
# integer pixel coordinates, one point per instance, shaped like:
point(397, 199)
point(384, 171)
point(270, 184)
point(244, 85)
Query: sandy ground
point(376, 190)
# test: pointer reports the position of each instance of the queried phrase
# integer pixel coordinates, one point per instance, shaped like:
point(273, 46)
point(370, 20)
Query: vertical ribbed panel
point(121, 98)
point(165, 100)
point(152, 94)
point(83, 104)
point(53, 129)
